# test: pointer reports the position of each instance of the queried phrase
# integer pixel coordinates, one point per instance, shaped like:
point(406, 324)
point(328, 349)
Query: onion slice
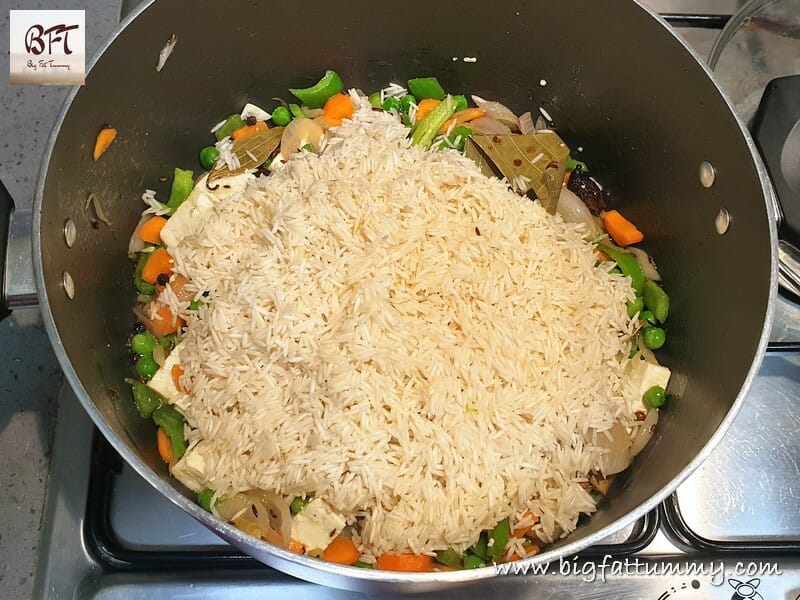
point(258, 513)
point(644, 432)
point(526, 125)
point(573, 210)
point(618, 445)
point(136, 243)
point(488, 126)
point(497, 111)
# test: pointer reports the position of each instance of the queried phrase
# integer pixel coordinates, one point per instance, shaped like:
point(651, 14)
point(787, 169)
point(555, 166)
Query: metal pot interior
point(616, 82)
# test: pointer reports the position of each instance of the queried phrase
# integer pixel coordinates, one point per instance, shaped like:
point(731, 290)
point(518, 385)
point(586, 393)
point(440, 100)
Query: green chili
point(204, 498)
point(461, 102)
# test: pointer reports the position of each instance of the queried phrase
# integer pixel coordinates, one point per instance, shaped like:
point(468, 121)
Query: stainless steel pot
point(615, 79)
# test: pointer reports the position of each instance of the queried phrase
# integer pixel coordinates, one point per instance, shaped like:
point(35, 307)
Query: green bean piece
point(480, 548)
point(461, 102)
point(143, 343)
point(375, 101)
point(204, 498)
point(423, 133)
point(146, 367)
point(298, 504)
point(296, 111)
point(425, 87)
point(500, 535)
point(653, 337)
point(171, 421)
point(317, 95)
point(449, 557)
point(281, 116)
point(182, 185)
point(363, 565)
point(635, 307)
point(656, 300)
point(146, 399)
point(629, 266)
point(209, 156)
point(655, 396)
point(231, 124)
point(147, 289)
point(472, 562)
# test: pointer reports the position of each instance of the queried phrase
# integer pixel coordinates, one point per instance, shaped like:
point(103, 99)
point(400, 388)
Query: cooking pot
point(617, 82)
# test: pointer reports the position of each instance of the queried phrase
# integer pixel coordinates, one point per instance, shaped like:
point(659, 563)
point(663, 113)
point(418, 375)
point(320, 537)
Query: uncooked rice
point(392, 331)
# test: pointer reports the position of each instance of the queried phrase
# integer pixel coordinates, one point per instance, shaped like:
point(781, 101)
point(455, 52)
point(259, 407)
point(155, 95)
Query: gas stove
point(730, 532)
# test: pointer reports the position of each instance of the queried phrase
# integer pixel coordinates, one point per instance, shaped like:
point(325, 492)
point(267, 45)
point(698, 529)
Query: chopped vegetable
point(150, 231)
point(461, 102)
point(160, 262)
point(165, 324)
point(107, 135)
point(209, 156)
point(171, 421)
point(653, 337)
point(418, 563)
point(462, 116)
point(472, 562)
point(316, 95)
point(635, 307)
point(656, 300)
point(146, 367)
point(182, 185)
point(341, 550)
point(164, 445)
point(406, 102)
point(296, 111)
point(146, 399)
point(363, 565)
point(425, 130)
point(425, 87)
point(177, 373)
point(449, 557)
point(298, 504)
point(425, 107)
point(529, 550)
point(142, 286)
point(481, 547)
point(231, 124)
point(526, 529)
point(338, 107)
point(375, 101)
point(281, 116)
point(500, 535)
point(647, 315)
point(655, 396)
point(628, 265)
point(297, 547)
point(143, 343)
point(204, 498)
point(621, 229)
point(249, 130)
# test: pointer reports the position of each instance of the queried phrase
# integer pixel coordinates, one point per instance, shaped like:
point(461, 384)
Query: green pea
point(281, 116)
point(208, 156)
point(375, 99)
point(472, 562)
point(655, 396)
point(143, 343)
point(635, 307)
point(653, 337)
point(146, 367)
point(392, 104)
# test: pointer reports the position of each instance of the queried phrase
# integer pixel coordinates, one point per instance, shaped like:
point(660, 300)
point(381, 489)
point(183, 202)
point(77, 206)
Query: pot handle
point(776, 130)
point(17, 287)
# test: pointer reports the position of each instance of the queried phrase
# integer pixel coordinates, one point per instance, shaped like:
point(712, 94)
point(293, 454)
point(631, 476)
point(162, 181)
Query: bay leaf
point(252, 152)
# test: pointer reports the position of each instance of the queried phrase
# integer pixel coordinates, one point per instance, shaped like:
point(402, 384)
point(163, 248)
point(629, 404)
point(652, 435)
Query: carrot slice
point(165, 324)
point(150, 231)
point(425, 107)
point(620, 229)
point(405, 562)
point(529, 551)
point(338, 107)
point(159, 263)
point(249, 130)
point(177, 373)
point(164, 445)
point(107, 135)
point(341, 550)
point(526, 529)
point(462, 116)
point(295, 546)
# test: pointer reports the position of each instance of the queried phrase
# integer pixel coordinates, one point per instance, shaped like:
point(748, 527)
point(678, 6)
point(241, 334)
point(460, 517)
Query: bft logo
point(47, 47)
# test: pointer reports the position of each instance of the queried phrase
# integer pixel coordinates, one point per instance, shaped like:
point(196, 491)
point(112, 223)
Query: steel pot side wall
point(617, 84)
